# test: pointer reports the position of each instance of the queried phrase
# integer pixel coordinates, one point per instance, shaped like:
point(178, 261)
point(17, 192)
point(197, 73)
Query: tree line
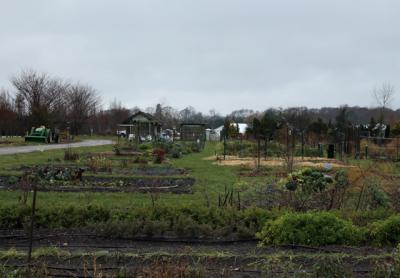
point(40, 99)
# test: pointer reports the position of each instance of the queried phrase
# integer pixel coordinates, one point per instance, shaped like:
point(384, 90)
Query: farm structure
point(142, 126)
point(216, 134)
point(193, 131)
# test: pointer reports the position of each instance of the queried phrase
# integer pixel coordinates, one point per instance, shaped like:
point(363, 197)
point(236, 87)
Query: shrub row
point(272, 227)
point(182, 221)
point(324, 228)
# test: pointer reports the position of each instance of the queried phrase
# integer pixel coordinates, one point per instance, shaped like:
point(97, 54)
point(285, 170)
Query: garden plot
point(75, 179)
point(121, 258)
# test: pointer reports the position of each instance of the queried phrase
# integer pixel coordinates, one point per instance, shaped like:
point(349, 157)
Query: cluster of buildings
point(142, 126)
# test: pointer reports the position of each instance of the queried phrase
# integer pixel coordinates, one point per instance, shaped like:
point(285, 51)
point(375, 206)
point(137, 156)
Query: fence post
point(31, 230)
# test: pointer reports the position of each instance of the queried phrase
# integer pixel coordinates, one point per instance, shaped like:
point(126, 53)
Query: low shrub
point(16, 217)
point(151, 221)
point(145, 146)
point(317, 228)
point(386, 232)
point(308, 181)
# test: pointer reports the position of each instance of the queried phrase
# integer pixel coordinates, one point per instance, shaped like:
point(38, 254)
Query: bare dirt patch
point(314, 162)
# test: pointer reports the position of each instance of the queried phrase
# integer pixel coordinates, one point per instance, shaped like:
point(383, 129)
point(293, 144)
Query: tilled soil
point(83, 252)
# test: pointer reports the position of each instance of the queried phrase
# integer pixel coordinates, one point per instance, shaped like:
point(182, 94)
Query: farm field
point(173, 209)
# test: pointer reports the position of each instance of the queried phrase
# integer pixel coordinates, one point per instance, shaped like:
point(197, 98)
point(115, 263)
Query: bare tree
point(40, 95)
point(118, 114)
point(383, 96)
point(82, 103)
point(8, 115)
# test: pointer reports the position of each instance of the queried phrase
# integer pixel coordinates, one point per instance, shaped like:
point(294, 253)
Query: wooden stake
point(31, 230)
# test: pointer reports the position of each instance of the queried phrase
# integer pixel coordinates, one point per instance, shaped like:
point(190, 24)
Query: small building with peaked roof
point(142, 126)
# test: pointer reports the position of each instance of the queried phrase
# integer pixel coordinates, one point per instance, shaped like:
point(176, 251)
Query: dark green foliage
point(291, 185)
point(145, 146)
point(376, 197)
point(318, 228)
point(13, 180)
point(16, 217)
point(154, 221)
point(364, 218)
point(308, 181)
point(13, 217)
point(50, 173)
point(386, 232)
point(342, 179)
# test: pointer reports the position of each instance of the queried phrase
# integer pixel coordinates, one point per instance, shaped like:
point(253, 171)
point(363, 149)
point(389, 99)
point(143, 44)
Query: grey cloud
point(224, 54)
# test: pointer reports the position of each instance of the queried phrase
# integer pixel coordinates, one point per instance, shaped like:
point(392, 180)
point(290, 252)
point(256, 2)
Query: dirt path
point(29, 149)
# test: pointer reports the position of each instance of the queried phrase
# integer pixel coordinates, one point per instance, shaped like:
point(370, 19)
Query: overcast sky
point(221, 54)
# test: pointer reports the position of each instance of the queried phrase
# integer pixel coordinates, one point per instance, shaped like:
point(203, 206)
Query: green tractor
point(39, 134)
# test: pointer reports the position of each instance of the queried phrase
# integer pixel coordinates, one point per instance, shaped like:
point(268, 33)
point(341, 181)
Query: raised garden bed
point(131, 171)
point(109, 184)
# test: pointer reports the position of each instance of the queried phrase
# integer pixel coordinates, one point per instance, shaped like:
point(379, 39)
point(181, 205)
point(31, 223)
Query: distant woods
point(40, 99)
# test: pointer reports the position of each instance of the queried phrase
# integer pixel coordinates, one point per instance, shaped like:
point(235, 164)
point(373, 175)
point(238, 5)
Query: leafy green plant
point(145, 146)
point(317, 228)
point(308, 181)
point(386, 232)
point(304, 189)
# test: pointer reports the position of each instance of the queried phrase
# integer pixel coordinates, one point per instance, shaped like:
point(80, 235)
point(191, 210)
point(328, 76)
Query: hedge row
point(272, 227)
point(183, 221)
point(324, 228)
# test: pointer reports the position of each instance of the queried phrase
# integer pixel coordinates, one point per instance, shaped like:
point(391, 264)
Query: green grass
point(41, 157)
point(210, 180)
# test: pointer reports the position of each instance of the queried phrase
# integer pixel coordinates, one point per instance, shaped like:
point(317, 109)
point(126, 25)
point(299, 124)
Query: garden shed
point(142, 127)
point(193, 131)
